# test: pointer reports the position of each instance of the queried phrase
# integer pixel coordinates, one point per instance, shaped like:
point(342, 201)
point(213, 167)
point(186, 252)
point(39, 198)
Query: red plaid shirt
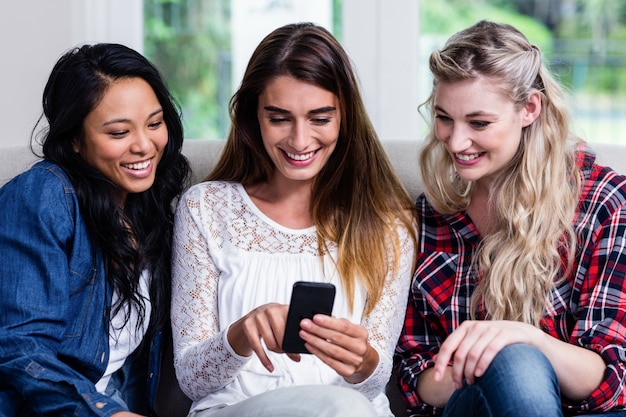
point(590, 305)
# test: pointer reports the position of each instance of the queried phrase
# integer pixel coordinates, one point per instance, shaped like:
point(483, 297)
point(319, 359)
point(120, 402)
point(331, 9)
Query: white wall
point(381, 37)
point(252, 20)
point(35, 33)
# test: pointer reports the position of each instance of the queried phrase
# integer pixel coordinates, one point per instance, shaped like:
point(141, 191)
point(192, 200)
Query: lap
point(298, 401)
point(519, 382)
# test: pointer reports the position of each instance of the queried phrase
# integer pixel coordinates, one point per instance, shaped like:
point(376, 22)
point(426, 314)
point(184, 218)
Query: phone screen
point(307, 299)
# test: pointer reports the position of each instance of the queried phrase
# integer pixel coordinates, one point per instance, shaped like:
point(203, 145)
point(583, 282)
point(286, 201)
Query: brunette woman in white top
point(303, 192)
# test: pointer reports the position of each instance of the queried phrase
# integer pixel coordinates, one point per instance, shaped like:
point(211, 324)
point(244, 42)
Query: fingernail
point(320, 318)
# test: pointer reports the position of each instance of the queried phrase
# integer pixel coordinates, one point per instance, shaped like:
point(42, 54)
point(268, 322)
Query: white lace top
point(230, 258)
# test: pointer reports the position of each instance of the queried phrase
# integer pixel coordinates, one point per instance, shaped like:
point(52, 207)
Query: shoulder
point(426, 212)
point(43, 182)
point(42, 175)
point(421, 203)
point(212, 198)
point(44, 194)
point(603, 192)
point(601, 185)
point(212, 191)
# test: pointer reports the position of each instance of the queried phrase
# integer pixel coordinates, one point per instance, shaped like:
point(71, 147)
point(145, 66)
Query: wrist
point(367, 367)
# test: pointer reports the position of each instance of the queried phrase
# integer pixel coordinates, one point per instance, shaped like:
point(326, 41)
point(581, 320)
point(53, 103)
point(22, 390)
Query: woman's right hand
point(267, 323)
point(125, 414)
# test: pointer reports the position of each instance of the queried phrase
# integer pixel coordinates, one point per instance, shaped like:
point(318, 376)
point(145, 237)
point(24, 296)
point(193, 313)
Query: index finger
point(446, 352)
point(257, 348)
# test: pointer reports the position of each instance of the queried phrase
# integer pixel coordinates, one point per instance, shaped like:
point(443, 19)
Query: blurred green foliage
point(189, 41)
point(445, 17)
point(582, 40)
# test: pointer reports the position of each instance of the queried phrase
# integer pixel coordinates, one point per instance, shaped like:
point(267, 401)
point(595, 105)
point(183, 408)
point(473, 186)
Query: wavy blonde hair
point(535, 197)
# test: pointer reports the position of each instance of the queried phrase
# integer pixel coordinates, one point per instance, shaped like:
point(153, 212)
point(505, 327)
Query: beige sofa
point(203, 155)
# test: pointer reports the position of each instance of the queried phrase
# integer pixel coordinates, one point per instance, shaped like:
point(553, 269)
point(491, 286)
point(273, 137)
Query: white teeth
point(138, 166)
point(467, 157)
point(302, 157)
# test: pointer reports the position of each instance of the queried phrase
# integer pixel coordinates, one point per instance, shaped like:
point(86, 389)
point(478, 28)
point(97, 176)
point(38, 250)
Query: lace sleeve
point(203, 360)
point(385, 322)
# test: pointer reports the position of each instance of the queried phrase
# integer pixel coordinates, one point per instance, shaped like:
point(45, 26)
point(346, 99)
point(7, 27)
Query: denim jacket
point(54, 324)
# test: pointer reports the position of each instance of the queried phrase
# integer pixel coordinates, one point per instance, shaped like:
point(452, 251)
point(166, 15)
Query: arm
point(422, 335)
point(362, 353)
point(37, 232)
point(385, 322)
point(602, 311)
point(474, 344)
point(415, 353)
point(203, 359)
point(586, 352)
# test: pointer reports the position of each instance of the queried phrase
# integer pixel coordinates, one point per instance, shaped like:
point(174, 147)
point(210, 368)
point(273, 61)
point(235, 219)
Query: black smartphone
point(307, 299)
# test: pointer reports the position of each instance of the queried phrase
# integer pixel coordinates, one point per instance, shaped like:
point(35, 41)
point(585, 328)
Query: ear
point(76, 145)
point(532, 109)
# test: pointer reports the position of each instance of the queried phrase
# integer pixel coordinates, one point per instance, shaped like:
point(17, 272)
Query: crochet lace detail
point(219, 216)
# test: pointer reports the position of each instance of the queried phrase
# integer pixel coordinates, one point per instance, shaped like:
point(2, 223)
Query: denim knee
point(520, 381)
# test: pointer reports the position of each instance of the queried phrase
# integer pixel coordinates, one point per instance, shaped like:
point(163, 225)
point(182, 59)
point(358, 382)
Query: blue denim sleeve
point(51, 343)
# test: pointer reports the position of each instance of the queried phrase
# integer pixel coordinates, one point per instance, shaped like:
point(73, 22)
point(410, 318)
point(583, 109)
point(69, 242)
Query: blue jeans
point(520, 382)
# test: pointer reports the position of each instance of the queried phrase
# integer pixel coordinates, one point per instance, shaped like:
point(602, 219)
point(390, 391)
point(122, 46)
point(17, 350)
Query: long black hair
point(137, 236)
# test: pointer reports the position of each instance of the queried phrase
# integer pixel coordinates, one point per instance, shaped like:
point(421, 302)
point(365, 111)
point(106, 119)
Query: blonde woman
point(302, 192)
point(517, 306)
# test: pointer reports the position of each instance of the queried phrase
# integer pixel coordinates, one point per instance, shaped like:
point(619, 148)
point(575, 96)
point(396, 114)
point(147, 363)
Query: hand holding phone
point(307, 299)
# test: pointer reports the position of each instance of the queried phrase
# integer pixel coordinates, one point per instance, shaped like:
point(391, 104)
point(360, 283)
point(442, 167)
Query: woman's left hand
point(340, 344)
point(474, 344)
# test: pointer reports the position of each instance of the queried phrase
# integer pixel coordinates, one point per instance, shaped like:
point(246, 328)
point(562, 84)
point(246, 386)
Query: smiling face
point(480, 126)
point(299, 124)
point(124, 136)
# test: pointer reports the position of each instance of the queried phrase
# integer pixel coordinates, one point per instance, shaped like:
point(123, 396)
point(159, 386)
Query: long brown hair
point(357, 199)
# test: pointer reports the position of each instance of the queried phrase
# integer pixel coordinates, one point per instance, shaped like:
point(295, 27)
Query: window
point(582, 41)
point(202, 47)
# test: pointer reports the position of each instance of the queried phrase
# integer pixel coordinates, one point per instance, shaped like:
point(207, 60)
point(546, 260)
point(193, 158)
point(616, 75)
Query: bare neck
point(288, 204)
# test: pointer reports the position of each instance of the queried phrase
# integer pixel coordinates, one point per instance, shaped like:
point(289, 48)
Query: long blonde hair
point(536, 196)
point(358, 202)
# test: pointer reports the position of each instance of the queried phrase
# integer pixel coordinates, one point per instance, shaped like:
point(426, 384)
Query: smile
point(302, 157)
point(138, 165)
point(467, 157)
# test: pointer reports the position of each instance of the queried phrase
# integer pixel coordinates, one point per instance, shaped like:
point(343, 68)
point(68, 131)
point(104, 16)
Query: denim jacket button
point(101, 405)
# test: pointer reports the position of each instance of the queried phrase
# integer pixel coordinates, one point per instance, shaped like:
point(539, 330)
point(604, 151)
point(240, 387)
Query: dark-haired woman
point(85, 238)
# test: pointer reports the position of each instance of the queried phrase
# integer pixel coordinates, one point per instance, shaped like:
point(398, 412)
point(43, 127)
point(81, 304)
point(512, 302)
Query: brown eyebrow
point(326, 109)
point(438, 108)
point(276, 109)
point(113, 121)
